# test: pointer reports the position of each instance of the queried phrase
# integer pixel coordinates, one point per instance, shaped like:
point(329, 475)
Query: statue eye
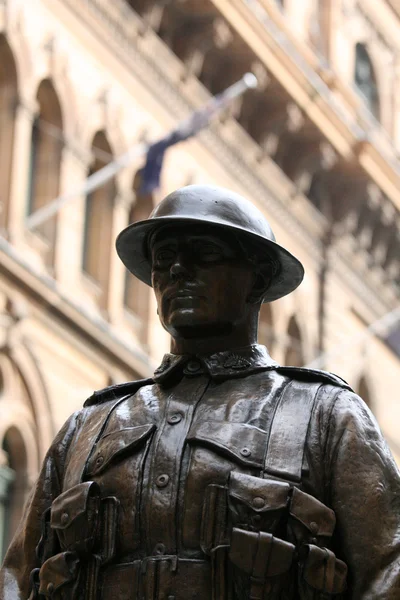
point(208, 252)
point(164, 256)
point(212, 255)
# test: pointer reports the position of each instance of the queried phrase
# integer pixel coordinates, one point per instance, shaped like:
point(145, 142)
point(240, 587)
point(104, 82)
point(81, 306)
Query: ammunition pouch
point(321, 574)
point(84, 522)
point(274, 535)
point(85, 526)
point(263, 557)
point(60, 577)
point(310, 521)
point(257, 504)
point(310, 526)
point(75, 517)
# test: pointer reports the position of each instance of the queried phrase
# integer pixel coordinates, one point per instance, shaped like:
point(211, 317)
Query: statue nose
point(178, 269)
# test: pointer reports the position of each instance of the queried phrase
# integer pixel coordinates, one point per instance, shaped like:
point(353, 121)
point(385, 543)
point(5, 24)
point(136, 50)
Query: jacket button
point(50, 588)
point(258, 502)
point(314, 527)
point(162, 480)
point(193, 366)
point(174, 419)
point(245, 452)
point(159, 549)
point(64, 518)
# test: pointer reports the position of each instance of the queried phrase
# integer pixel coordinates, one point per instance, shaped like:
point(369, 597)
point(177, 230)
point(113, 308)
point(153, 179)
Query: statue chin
point(210, 330)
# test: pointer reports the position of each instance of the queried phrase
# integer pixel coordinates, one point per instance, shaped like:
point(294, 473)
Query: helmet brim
point(132, 248)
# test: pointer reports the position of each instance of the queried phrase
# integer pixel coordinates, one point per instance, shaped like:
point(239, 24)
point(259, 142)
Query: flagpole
point(90, 184)
point(186, 128)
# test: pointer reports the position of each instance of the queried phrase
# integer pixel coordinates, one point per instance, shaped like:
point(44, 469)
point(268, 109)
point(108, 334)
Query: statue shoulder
point(114, 392)
point(313, 376)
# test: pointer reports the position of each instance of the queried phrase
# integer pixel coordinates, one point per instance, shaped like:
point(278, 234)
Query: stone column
point(24, 117)
point(71, 217)
point(116, 286)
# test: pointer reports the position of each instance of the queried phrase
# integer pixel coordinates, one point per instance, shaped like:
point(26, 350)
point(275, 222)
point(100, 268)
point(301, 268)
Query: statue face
point(201, 280)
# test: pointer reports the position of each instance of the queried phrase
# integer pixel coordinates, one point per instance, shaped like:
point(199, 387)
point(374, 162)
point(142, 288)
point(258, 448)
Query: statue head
point(212, 259)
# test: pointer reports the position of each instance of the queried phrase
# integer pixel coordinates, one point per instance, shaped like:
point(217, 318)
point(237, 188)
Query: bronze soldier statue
point(225, 476)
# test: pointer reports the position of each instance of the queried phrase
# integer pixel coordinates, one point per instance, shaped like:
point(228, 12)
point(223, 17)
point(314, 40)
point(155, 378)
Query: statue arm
point(21, 556)
point(364, 484)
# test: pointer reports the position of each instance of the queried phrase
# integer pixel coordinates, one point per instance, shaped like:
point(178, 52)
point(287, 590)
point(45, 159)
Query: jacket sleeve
point(364, 484)
point(21, 557)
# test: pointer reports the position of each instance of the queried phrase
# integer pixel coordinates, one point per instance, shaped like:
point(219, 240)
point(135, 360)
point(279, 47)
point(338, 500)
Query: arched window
point(365, 80)
point(8, 103)
point(7, 476)
point(45, 157)
point(15, 488)
point(99, 208)
point(294, 352)
point(137, 293)
point(265, 327)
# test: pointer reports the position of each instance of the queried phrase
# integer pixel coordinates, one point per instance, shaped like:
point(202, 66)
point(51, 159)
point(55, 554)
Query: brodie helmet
point(216, 207)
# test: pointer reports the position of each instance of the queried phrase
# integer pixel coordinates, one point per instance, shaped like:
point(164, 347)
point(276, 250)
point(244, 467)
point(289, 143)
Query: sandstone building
point(315, 147)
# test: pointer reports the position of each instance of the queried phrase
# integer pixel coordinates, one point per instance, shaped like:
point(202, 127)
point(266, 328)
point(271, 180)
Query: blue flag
point(189, 127)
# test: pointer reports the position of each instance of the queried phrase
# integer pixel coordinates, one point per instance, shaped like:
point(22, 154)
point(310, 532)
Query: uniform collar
point(237, 362)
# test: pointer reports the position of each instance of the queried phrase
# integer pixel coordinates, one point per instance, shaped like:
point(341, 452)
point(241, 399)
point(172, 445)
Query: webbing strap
point(284, 457)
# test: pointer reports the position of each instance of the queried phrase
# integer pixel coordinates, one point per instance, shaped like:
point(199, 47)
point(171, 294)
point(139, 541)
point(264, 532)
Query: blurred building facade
point(315, 147)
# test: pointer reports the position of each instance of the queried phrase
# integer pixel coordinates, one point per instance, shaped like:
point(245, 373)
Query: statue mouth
point(183, 294)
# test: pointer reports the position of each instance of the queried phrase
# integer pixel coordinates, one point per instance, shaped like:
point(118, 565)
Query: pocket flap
point(115, 444)
point(244, 443)
point(259, 494)
point(71, 504)
point(323, 571)
point(58, 571)
point(318, 518)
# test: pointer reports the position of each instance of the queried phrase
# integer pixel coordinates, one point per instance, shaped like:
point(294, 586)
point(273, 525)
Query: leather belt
point(158, 578)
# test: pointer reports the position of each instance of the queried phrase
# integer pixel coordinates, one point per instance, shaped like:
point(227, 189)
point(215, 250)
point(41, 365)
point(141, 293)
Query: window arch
point(365, 80)
point(294, 351)
point(45, 157)
point(137, 293)
point(265, 327)
point(8, 104)
point(15, 484)
point(98, 229)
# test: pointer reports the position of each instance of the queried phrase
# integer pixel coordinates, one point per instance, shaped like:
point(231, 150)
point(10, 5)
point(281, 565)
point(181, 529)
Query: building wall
point(92, 79)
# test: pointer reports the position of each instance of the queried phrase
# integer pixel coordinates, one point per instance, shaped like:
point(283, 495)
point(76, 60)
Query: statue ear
point(260, 286)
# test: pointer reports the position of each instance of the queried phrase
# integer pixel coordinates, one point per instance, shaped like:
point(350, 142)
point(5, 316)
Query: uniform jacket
point(224, 477)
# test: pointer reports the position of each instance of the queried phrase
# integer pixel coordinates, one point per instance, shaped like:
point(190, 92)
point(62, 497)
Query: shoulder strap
point(114, 392)
point(304, 374)
point(284, 457)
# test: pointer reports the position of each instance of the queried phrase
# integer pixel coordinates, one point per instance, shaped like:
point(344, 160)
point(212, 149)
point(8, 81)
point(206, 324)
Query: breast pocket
point(243, 444)
point(115, 446)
